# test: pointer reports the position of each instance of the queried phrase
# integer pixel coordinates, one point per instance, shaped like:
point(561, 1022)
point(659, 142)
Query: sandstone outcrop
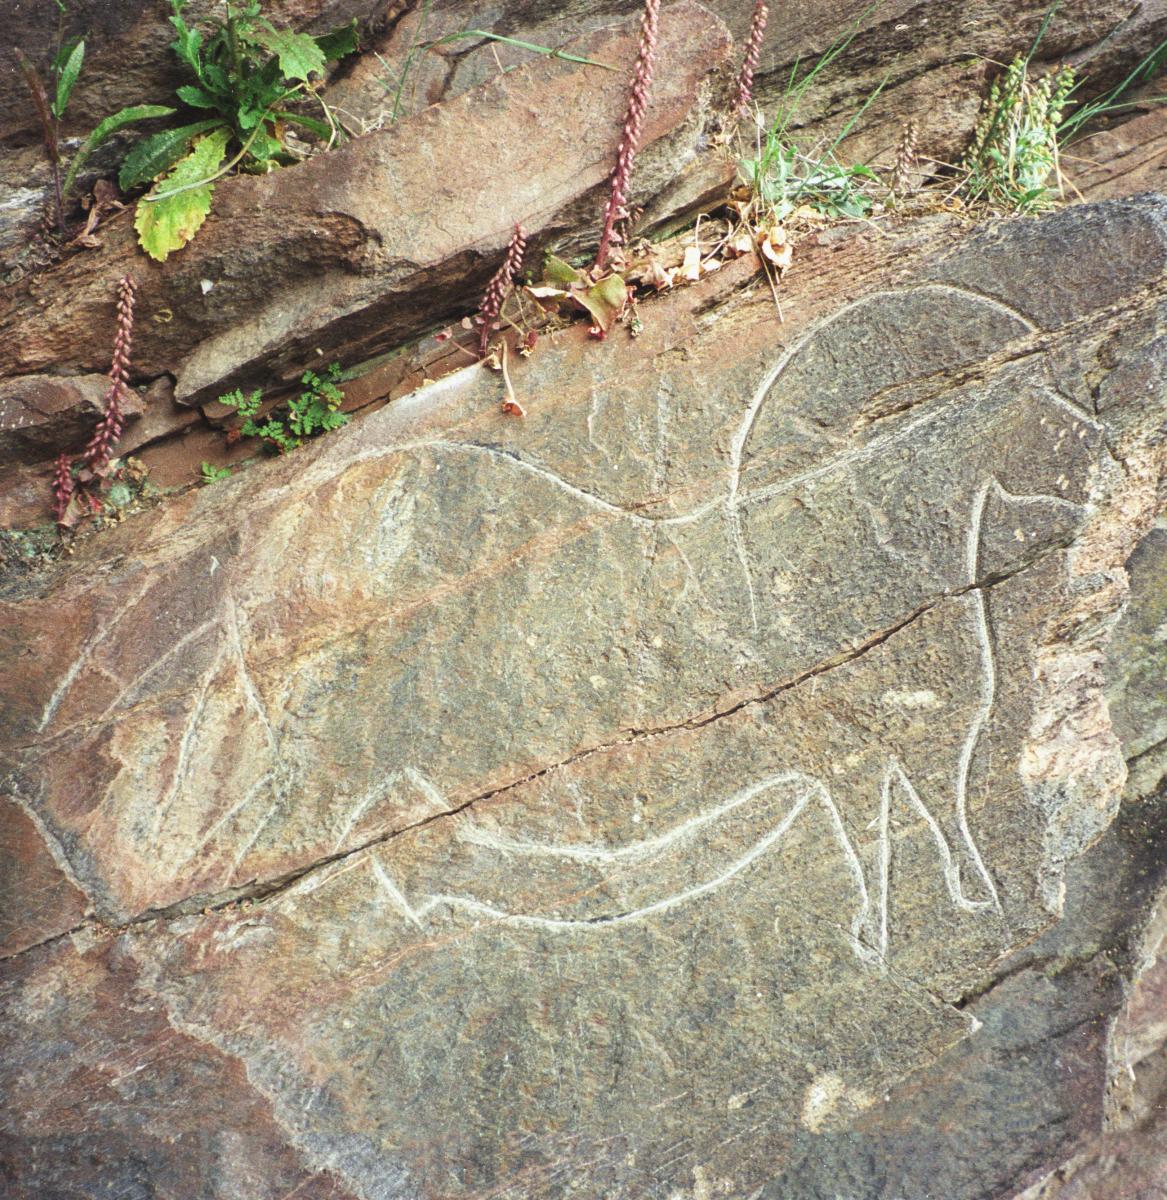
point(660, 795)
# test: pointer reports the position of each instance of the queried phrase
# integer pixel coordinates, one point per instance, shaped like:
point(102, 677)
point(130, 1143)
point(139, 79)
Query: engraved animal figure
point(413, 627)
point(650, 868)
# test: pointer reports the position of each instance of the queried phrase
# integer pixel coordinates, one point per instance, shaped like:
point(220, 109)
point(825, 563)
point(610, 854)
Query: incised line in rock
point(869, 931)
point(317, 871)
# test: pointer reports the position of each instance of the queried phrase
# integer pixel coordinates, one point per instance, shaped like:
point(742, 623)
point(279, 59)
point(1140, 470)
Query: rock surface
point(657, 796)
point(359, 250)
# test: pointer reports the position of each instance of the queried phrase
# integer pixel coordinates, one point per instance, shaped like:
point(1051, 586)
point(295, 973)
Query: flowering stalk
point(500, 284)
point(63, 486)
point(745, 79)
point(96, 454)
point(905, 158)
point(617, 209)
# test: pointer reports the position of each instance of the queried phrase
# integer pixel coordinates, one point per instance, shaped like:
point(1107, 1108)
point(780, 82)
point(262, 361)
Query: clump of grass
point(784, 176)
point(1112, 101)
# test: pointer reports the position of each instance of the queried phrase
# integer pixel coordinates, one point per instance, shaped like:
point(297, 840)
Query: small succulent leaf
point(555, 270)
point(300, 56)
point(69, 71)
point(160, 151)
point(167, 224)
point(548, 293)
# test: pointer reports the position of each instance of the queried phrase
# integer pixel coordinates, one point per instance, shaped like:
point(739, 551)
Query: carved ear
point(1013, 528)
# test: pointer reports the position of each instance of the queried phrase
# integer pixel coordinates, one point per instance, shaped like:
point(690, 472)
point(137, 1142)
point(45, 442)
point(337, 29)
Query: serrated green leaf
point(214, 78)
point(68, 77)
point(107, 128)
point(299, 55)
point(168, 224)
point(195, 96)
point(247, 116)
point(187, 44)
point(161, 151)
point(338, 43)
point(123, 117)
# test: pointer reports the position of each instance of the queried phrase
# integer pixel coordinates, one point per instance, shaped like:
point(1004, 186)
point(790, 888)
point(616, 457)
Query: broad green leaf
point(195, 96)
point(168, 224)
point(263, 147)
point(604, 300)
point(339, 42)
point(160, 152)
point(555, 270)
point(68, 77)
point(107, 128)
point(215, 79)
point(248, 115)
point(300, 57)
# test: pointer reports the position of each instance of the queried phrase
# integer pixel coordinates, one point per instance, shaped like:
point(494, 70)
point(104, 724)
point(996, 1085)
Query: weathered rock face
point(361, 249)
point(635, 800)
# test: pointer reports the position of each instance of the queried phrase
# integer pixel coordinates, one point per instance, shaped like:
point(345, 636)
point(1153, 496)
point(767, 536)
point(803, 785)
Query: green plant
point(247, 76)
point(209, 473)
point(1112, 101)
point(1014, 151)
point(315, 410)
point(782, 176)
point(64, 71)
point(1021, 130)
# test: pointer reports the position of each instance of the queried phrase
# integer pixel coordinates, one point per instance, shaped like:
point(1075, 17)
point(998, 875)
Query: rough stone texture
point(359, 250)
point(930, 61)
point(42, 414)
point(1123, 160)
point(640, 799)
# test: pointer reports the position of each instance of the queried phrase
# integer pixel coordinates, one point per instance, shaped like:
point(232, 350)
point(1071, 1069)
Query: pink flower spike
point(63, 486)
point(98, 452)
point(617, 208)
point(745, 79)
point(498, 287)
